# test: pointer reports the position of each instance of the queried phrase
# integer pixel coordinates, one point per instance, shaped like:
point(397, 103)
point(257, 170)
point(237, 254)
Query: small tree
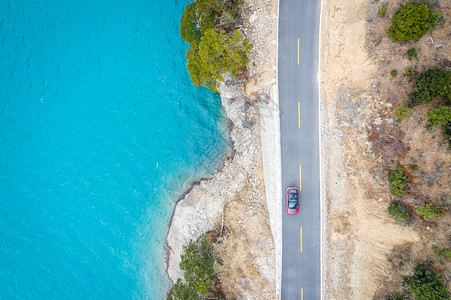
point(398, 180)
point(430, 210)
point(394, 72)
point(198, 262)
point(218, 54)
point(398, 210)
point(412, 73)
point(440, 116)
point(411, 21)
point(382, 11)
point(412, 53)
point(403, 112)
point(430, 84)
point(426, 285)
point(181, 291)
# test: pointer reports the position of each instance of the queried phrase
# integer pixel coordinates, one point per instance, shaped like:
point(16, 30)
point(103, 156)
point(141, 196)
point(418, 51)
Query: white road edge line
point(279, 184)
point(320, 156)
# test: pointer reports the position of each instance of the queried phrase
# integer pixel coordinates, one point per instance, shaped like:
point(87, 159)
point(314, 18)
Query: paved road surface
point(299, 109)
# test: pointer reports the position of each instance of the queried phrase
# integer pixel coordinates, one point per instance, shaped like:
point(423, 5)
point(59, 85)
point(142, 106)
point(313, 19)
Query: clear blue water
point(97, 118)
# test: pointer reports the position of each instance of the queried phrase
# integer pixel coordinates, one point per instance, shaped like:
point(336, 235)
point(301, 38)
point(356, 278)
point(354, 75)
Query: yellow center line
point(300, 181)
point(302, 294)
point(299, 114)
point(301, 239)
point(298, 51)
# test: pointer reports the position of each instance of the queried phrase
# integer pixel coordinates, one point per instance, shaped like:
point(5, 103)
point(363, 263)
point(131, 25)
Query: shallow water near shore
point(100, 131)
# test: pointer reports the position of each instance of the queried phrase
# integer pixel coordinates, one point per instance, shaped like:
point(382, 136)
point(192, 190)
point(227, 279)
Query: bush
point(181, 291)
point(430, 210)
point(382, 11)
point(217, 47)
point(440, 116)
point(218, 54)
point(412, 53)
point(412, 73)
point(446, 132)
point(426, 285)
point(394, 72)
point(411, 21)
point(198, 263)
point(403, 112)
point(430, 84)
point(398, 182)
point(413, 167)
point(398, 210)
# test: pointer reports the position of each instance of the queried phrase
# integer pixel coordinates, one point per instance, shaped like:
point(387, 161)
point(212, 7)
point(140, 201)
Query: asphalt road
point(299, 113)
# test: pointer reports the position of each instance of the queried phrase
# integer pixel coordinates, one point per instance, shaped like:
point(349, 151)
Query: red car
point(292, 200)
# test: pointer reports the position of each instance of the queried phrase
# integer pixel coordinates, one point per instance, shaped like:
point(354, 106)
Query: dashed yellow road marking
point(298, 51)
point(301, 239)
point(300, 181)
point(302, 294)
point(299, 114)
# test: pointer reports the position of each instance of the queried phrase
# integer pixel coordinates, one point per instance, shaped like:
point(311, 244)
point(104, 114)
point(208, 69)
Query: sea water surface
point(100, 132)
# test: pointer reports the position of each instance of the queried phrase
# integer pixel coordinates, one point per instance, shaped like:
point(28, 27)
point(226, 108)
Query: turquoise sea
point(101, 130)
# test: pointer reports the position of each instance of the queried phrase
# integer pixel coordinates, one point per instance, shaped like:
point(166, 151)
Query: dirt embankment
point(362, 142)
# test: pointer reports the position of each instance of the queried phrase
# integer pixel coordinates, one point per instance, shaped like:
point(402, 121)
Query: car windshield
point(293, 199)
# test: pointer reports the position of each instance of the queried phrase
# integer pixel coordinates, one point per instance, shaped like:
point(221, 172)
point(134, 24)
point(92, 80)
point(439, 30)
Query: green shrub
point(412, 73)
point(440, 116)
point(188, 25)
point(394, 72)
point(403, 112)
point(411, 21)
point(413, 167)
point(398, 180)
point(430, 84)
point(446, 132)
point(398, 210)
point(382, 11)
point(441, 255)
point(218, 54)
point(412, 53)
point(217, 46)
point(197, 261)
point(181, 291)
point(426, 285)
point(430, 210)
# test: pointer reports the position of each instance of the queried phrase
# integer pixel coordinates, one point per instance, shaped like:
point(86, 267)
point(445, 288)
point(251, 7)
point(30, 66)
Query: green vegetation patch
point(439, 116)
point(217, 46)
point(430, 210)
point(432, 83)
point(398, 180)
point(403, 112)
point(412, 53)
point(219, 53)
point(382, 11)
point(394, 72)
point(398, 210)
point(426, 285)
point(198, 263)
point(412, 73)
point(412, 20)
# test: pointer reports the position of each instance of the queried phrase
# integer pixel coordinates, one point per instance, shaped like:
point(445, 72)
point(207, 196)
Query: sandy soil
point(358, 98)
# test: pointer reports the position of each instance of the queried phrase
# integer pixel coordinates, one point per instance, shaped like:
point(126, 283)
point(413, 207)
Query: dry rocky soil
point(366, 252)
